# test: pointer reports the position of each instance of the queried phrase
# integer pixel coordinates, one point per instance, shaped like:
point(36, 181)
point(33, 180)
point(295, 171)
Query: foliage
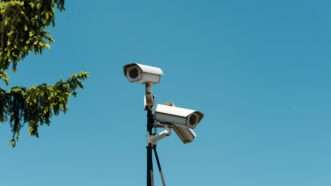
point(23, 25)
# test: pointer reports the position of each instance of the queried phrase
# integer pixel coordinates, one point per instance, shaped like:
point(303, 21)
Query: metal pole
point(159, 166)
point(149, 99)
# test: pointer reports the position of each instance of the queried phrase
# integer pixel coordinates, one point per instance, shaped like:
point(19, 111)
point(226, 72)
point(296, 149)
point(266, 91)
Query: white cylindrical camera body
point(139, 73)
point(178, 116)
point(186, 135)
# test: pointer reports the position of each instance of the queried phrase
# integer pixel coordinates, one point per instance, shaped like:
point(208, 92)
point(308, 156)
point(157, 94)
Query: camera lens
point(193, 119)
point(133, 73)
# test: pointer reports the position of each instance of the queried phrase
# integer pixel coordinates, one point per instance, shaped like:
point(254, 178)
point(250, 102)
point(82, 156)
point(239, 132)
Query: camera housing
point(177, 116)
point(139, 73)
point(186, 135)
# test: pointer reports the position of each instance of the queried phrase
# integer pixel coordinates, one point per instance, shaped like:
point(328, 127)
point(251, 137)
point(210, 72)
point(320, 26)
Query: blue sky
point(259, 70)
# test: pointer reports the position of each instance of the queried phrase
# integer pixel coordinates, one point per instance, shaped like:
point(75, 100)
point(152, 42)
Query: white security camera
point(187, 135)
point(138, 73)
point(177, 116)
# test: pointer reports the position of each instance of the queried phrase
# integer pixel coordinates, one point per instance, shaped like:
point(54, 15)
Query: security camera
point(177, 116)
point(187, 135)
point(138, 73)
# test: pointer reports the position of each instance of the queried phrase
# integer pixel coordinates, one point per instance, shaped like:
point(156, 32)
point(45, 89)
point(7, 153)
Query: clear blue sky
point(260, 70)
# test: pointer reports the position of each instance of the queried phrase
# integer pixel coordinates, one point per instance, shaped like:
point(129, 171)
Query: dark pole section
point(159, 165)
point(149, 102)
point(150, 178)
point(150, 121)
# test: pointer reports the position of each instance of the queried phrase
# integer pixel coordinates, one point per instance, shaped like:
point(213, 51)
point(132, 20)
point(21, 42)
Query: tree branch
point(36, 105)
point(23, 26)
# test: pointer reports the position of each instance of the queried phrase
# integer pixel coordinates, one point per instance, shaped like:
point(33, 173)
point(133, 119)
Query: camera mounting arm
point(154, 139)
point(149, 98)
